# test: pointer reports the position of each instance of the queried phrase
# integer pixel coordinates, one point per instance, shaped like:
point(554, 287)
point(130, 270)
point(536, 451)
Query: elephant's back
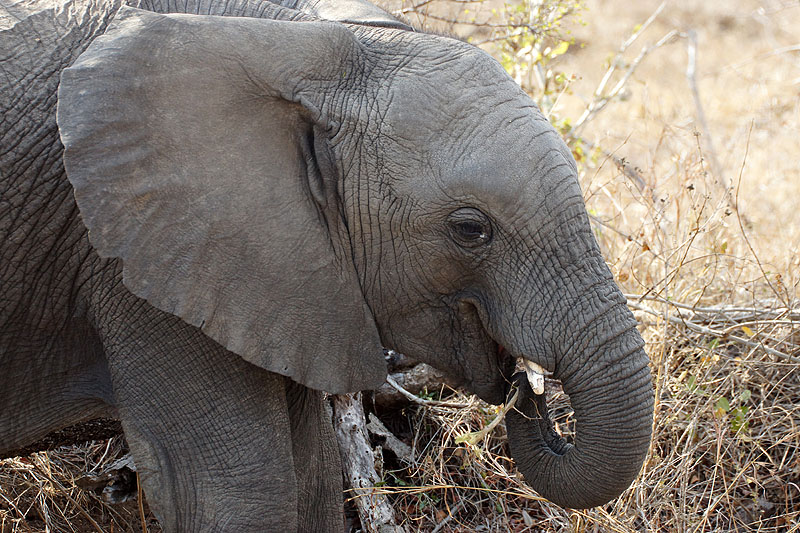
point(38, 39)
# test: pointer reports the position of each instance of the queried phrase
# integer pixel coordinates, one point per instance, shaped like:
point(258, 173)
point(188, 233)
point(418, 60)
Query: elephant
point(215, 212)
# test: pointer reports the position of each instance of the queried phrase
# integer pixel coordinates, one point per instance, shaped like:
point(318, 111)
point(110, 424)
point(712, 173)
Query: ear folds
point(197, 148)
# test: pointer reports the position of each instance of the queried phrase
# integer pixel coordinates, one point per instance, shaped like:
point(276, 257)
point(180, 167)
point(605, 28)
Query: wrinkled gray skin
point(248, 208)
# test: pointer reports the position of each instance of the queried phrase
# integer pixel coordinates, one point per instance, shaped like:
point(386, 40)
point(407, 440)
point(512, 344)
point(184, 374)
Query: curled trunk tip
point(611, 442)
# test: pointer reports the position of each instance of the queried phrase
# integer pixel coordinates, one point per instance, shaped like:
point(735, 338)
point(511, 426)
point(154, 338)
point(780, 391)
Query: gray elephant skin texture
point(212, 212)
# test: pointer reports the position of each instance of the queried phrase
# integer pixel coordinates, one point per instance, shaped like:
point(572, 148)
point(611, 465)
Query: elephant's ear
point(198, 150)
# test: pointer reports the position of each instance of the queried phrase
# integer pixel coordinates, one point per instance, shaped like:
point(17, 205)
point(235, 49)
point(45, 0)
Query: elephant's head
point(305, 192)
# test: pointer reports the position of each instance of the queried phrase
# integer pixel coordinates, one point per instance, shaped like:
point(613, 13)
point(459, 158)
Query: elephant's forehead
point(466, 130)
point(512, 168)
point(504, 155)
point(441, 97)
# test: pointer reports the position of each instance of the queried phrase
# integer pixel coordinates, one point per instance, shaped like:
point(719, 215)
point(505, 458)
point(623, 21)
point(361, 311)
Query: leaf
point(469, 438)
point(739, 422)
point(722, 406)
point(560, 49)
point(747, 331)
point(745, 395)
point(527, 519)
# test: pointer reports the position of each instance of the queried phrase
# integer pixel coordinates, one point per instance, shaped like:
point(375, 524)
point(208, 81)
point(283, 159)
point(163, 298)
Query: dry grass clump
point(725, 456)
point(39, 492)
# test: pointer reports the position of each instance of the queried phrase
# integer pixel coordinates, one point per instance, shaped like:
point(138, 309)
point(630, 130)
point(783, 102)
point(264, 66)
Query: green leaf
point(722, 405)
point(745, 395)
point(739, 420)
point(469, 438)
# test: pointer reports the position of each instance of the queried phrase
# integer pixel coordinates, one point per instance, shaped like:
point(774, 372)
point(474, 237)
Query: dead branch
point(691, 76)
point(405, 385)
point(684, 315)
point(398, 447)
point(416, 399)
point(358, 462)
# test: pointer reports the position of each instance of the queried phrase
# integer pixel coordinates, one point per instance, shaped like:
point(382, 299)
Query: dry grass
point(724, 456)
point(700, 224)
point(39, 493)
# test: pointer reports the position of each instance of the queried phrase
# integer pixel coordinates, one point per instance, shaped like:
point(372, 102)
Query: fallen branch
point(688, 317)
point(392, 443)
point(358, 463)
point(413, 380)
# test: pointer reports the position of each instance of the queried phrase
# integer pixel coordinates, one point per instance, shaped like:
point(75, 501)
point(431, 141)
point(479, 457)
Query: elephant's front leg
point(318, 467)
point(211, 434)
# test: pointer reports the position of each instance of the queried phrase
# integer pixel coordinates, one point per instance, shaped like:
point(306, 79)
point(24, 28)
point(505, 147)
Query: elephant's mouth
point(533, 372)
point(492, 379)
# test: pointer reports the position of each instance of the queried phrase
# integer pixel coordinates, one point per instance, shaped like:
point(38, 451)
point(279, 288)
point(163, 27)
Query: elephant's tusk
point(534, 372)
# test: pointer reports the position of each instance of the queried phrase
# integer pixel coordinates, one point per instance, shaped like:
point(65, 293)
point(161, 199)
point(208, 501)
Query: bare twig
point(448, 518)
point(741, 224)
point(422, 401)
point(415, 379)
point(140, 502)
point(621, 163)
point(477, 436)
point(600, 98)
point(691, 76)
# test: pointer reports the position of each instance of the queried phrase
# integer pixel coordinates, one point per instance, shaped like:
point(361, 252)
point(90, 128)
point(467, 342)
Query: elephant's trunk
point(611, 393)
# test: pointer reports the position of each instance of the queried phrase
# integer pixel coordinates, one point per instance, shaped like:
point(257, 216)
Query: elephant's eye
point(469, 227)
